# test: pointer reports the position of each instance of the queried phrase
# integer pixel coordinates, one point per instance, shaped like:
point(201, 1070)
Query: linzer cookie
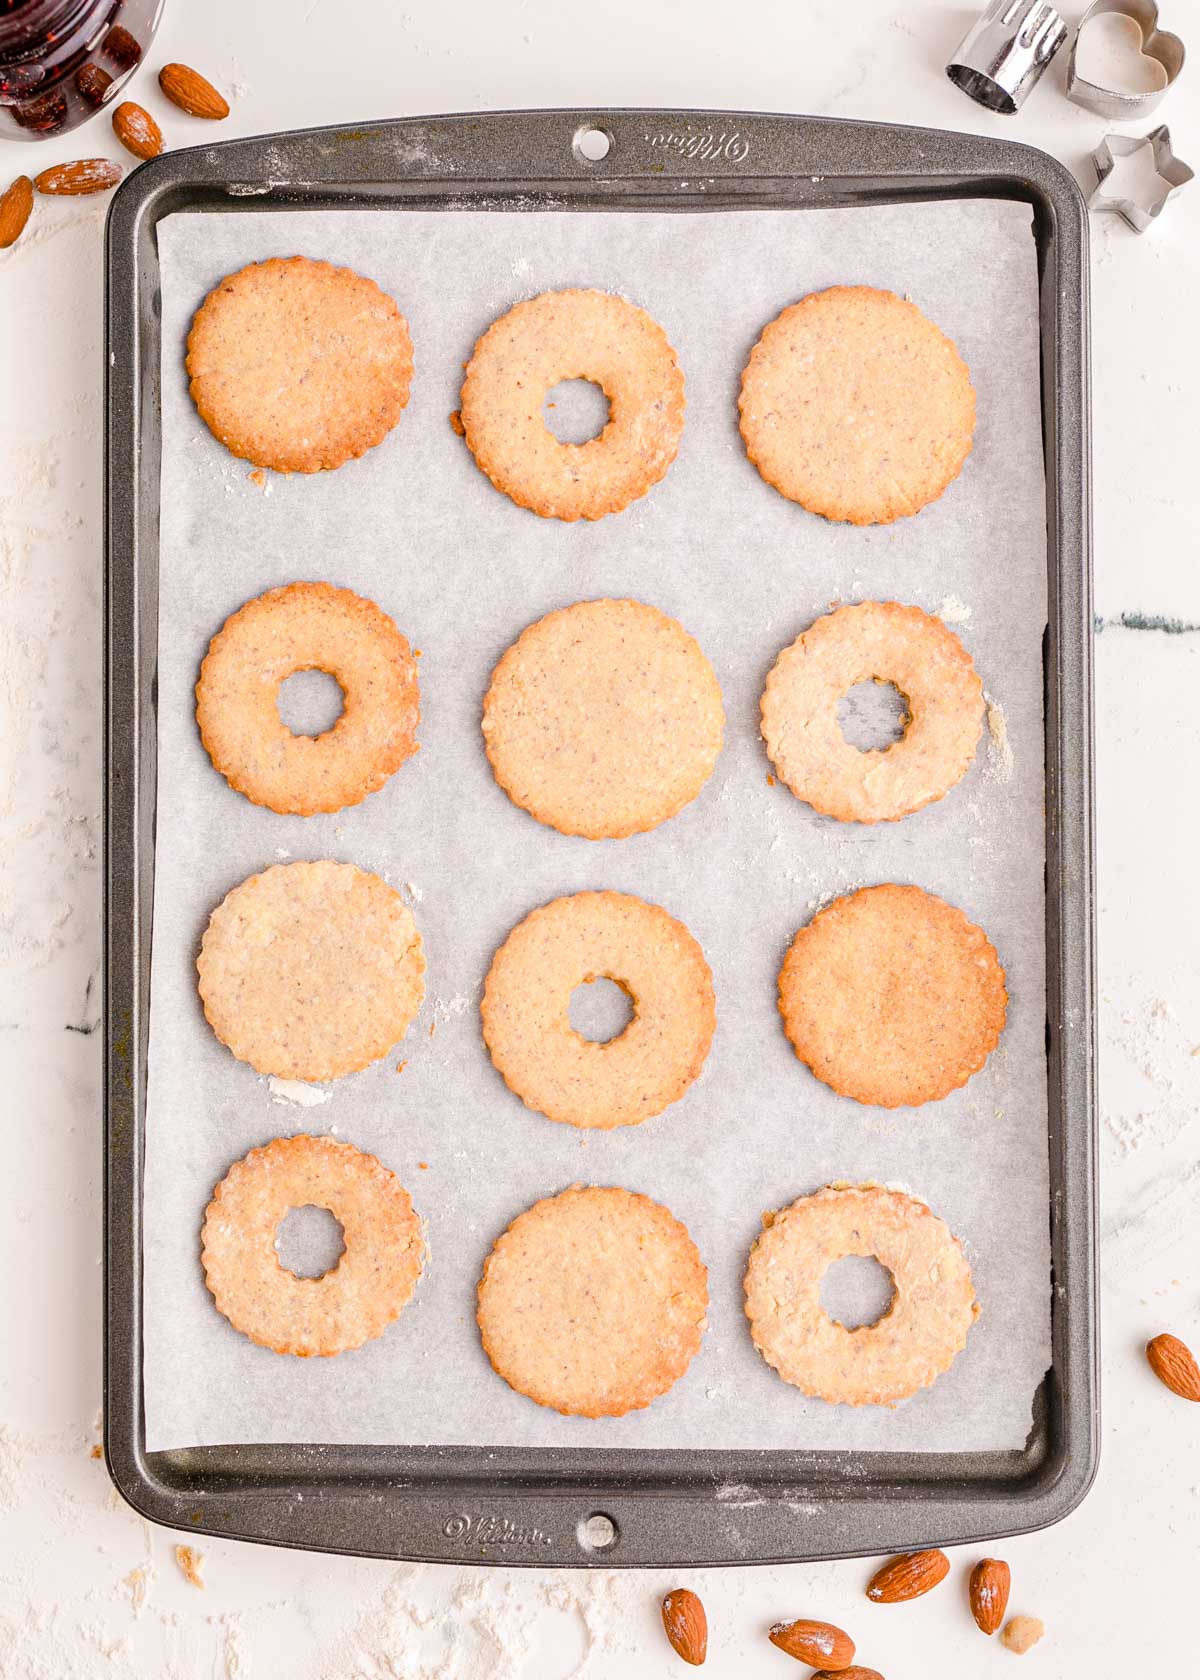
point(350, 1304)
point(891, 996)
point(603, 719)
point(593, 1302)
point(311, 970)
point(933, 1305)
point(297, 365)
point(573, 335)
point(856, 406)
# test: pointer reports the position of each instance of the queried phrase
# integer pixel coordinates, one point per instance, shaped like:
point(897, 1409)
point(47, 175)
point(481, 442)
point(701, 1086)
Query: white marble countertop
point(86, 1587)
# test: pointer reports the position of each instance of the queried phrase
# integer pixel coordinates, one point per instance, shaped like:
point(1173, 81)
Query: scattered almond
point(189, 1560)
point(1174, 1364)
point(85, 175)
point(908, 1576)
point(818, 1643)
point(686, 1624)
point(1022, 1634)
point(988, 1589)
point(15, 205)
point(853, 1673)
point(137, 130)
point(188, 89)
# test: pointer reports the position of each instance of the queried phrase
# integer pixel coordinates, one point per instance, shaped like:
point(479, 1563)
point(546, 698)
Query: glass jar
point(61, 60)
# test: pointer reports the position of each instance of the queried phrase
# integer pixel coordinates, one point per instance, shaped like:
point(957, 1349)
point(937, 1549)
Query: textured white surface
point(85, 1588)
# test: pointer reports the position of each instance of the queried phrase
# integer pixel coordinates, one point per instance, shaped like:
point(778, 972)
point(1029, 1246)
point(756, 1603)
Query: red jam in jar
point(61, 60)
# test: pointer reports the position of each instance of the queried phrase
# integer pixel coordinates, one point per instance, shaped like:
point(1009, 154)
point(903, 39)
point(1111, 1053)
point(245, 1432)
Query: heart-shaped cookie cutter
point(1157, 44)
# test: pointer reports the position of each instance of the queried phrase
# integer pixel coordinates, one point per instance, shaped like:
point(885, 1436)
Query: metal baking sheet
point(751, 1511)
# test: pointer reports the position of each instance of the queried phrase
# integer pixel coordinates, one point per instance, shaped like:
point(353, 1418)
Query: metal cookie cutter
point(1158, 44)
point(1000, 60)
point(1172, 174)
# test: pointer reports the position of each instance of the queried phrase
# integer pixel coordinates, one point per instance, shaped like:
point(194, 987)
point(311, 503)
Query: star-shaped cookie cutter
point(1172, 173)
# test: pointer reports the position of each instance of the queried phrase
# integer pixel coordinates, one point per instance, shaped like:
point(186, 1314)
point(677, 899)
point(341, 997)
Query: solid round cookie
point(933, 1305)
point(891, 996)
point(308, 627)
point(603, 719)
point(593, 1302)
point(887, 643)
point(856, 406)
point(350, 1304)
point(297, 365)
point(527, 994)
point(311, 970)
point(573, 335)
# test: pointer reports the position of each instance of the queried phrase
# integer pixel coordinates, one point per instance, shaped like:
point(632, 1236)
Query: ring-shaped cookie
point(917, 1338)
point(308, 627)
point(603, 719)
point(593, 1302)
point(311, 970)
point(599, 935)
point(892, 997)
point(351, 1303)
point(886, 642)
point(575, 334)
point(857, 406)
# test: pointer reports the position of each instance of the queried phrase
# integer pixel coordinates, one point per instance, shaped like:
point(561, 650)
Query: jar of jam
point(61, 60)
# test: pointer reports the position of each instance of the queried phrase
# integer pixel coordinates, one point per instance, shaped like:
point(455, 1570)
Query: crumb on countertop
point(189, 1560)
point(1021, 1634)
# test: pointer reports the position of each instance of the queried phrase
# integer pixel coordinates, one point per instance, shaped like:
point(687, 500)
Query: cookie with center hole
point(353, 1302)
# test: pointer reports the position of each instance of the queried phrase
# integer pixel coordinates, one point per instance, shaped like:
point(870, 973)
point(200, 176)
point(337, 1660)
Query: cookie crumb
point(456, 424)
point(189, 1560)
point(400, 1066)
point(424, 1165)
point(258, 476)
point(1021, 1634)
point(770, 779)
point(432, 1028)
point(97, 1451)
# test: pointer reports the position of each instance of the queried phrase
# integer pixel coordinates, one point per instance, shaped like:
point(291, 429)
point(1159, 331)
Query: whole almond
point(188, 89)
point(852, 1673)
point(15, 206)
point(1173, 1363)
point(988, 1589)
point(686, 1624)
point(137, 130)
point(818, 1643)
point(85, 175)
point(908, 1576)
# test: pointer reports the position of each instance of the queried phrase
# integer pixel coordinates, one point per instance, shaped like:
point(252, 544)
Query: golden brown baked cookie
point(856, 406)
point(593, 1302)
point(892, 996)
point(307, 627)
point(311, 970)
point(573, 335)
point(350, 1304)
point(889, 643)
point(526, 996)
point(917, 1338)
point(603, 719)
point(298, 365)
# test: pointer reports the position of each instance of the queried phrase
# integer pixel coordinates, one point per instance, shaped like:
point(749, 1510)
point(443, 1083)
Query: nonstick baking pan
point(541, 1505)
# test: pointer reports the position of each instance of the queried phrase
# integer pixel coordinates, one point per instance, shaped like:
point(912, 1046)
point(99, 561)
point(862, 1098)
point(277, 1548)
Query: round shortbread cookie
point(917, 1338)
point(856, 406)
point(351, 1303)
point(297, 365)
point(884, 641)
point(307, 627)
point(593, 1302)
point(573, 335)
point(603, 719)
point(599, 935)
point(311, 970)
point(892, 996)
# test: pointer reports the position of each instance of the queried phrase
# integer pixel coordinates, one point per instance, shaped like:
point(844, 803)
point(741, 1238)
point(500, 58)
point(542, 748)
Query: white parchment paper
point(415, 526)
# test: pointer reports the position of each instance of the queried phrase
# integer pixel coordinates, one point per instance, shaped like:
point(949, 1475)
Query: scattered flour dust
point(1000, 753)
point(297, 1093)
point(953, 611)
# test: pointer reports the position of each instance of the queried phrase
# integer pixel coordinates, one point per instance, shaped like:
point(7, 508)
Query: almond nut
point(137, 130)
point(1173, 1363)
point(853, 1673)
point(818, 1643)
point(988, 1589)
point(188, 89)
point(686, 1624)
point(15, 206)
point(907, 1576)
point(85, 175)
